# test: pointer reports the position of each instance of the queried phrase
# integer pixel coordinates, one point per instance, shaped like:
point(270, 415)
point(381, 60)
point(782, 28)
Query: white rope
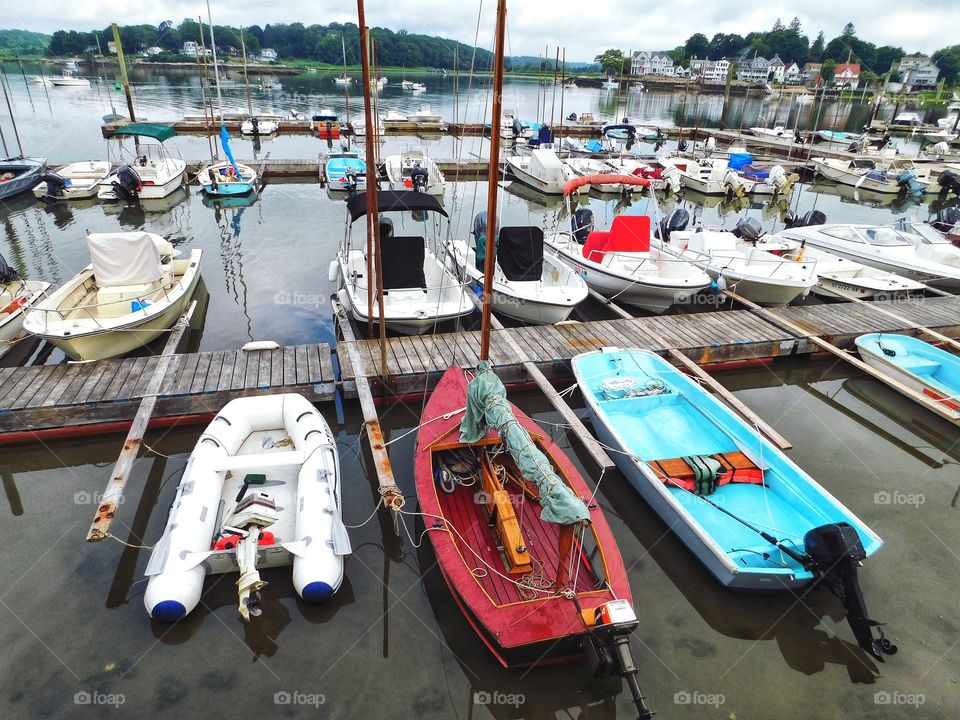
point(130, 545)
point(446, 416)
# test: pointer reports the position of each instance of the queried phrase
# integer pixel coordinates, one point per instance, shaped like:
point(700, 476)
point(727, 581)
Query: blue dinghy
point(928, 370)
point(750, 515)
point(345, 171)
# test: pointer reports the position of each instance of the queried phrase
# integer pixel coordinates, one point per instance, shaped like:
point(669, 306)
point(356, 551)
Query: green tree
point(948, 60)
point(849, 30)
point(795, 25)
point(816, 50)
point(828, 70)
point(697, 46)
point(611, 61)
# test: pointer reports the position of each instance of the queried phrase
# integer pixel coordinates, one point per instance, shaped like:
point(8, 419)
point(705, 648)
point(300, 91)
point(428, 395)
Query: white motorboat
point(133, 290)
point(542, 170)
point(425, 116)
point(621, 264)
point(839, 277)
point(343, 80)
point(75, 181)
point(344, 171)
point(360, 127)
point(259, 125)
point(778, 134)
point(419, 289)
point(147, 171)
point(596, 169)
point(69, 81)
point(712, 176)
point(16, 297)
point(528, 285)
point(406, 84)
point(414, 170)
point(757, 275)
point(928, 257)
point(661, 178)
point(907, 119)
point(884, 175)
point(417, 87)
point(261, 489)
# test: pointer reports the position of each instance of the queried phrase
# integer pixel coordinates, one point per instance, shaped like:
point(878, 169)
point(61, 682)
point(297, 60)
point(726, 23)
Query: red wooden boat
point(556, 612)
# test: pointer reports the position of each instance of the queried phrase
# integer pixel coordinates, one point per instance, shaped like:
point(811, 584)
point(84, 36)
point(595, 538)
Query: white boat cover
point(124, 258)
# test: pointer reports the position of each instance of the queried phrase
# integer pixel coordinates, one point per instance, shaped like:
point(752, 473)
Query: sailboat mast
point(373, 214)
point(493, 174)
point(246, 80)
point(216, 68)
point(346, 85)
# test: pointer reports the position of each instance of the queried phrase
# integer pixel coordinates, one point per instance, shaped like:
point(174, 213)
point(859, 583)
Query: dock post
point(113, 493)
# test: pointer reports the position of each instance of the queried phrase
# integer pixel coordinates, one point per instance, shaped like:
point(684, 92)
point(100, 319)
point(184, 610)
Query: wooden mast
point(346, 85)
point(493, 175)
point(373, 214)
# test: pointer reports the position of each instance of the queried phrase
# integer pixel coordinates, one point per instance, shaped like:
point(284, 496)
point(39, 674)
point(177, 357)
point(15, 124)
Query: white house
point(756, 70)
point(268, 55)
point(918, 71)
point(777, 70)
point(793, 75)
point(651, 63)
point(192, 48)
point(153, 51)
point(847, 75)
point(712, 71)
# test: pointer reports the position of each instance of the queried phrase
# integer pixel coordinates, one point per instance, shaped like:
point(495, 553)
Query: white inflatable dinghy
point(261, 489)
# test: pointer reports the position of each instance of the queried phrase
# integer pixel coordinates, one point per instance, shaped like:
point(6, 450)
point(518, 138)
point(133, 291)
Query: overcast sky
point(585, 28)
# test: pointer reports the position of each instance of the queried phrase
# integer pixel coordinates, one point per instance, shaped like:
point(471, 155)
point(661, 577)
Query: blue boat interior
point(339, 167)
point(929, 363)
point(662, 417)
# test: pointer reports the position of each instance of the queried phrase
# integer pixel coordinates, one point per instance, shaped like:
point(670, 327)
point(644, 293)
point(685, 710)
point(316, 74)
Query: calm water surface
point(391, 643)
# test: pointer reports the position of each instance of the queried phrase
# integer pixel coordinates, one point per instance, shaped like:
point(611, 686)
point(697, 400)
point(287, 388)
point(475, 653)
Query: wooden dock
point(70, 399)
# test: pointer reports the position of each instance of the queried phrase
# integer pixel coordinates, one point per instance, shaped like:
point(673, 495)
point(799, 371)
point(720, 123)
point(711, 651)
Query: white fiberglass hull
point(153, 188)
point(18, 298)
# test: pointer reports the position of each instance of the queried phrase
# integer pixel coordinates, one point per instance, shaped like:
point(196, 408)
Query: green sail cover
point(487, 406)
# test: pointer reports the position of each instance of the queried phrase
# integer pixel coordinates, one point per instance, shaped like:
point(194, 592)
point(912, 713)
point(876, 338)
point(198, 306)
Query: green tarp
point(151, 130)
point(487, 406)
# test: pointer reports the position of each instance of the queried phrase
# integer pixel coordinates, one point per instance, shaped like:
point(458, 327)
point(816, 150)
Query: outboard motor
point(127, 186)
point(544, 136)
point(797, 137)
point(682, 145)
point(834, 551)
point(517, 128)
point(256, 126)
point(938, 150)
point(811, 217)
point(351, 181)
point(572, 117)
point(946, 219)
point(56, 185)
point(420, 178)
point(479, 232)
point(7, 273)
point(581, 224)
point(678, 219)
point(748, 229)
point(948, 181)
point(907, 180)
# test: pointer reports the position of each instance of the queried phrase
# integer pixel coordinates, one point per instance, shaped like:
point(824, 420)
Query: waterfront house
point(777, 69)
point(918, 72)
point(793, 75)
point(710, 71)
point(847, 76)
point(756, 70)
point(268, 55)
point(651, 63)
point(811, 73)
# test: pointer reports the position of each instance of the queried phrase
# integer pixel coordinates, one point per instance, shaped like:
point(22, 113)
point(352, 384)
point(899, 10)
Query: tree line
point(293, 41)
point(794, 46)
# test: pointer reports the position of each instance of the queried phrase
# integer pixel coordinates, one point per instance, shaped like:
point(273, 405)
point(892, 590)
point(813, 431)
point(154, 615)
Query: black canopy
point(394, 201)
point(520, 253)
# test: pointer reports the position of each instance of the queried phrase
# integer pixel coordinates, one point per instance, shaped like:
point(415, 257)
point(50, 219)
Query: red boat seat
point(596, 241)
point(629, 233)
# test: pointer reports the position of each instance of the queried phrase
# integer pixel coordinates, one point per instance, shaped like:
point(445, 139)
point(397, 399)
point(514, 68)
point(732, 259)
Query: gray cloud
point(584, 28)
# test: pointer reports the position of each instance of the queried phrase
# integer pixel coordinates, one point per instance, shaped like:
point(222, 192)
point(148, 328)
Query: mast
point(203, 97)
point(493, 174)
point(216, 68)
point(346, 85)
point(246, 80)
point(373, 214)
point(123, 71)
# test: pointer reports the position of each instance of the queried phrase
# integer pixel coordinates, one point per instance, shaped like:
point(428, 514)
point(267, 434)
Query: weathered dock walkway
point(65, 399)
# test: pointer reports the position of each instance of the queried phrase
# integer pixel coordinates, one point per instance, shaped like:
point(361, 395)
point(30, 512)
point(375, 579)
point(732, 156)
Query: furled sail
point(225, 141)
point(487, 406)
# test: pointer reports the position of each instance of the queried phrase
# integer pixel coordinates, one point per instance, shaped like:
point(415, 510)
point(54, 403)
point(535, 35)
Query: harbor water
point(392, 642)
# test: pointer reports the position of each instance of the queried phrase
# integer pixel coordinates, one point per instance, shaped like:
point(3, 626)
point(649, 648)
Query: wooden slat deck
point(50, 396)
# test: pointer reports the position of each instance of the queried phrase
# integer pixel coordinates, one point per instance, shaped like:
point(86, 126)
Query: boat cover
point(394, 201)
point(520, 253)
point(124, 258)
point(402, 261)
point(488, 407)
point(157, 131)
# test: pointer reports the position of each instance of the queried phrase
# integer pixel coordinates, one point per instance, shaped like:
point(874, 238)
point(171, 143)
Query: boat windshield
point(885, 237)
point(928, 234)
point(844, 233)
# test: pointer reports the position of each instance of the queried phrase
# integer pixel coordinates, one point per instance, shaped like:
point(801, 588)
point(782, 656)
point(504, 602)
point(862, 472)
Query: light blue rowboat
point(657, 420)
point(925, 369)
point(345, 171)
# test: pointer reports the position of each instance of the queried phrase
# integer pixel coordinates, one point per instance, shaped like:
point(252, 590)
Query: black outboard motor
point(572, 117)
point(811, 217)
point(127, 186)
point(946, 219)
point(517, 128)
point(748, 229)
point(682, 145)
point(949, 181)
point(479, 232)
point(581, 224)
point(420, 177)
point(797, 137)
point(56, 185)
point(7, 273)
point(351, 181)
point(678, 219)
point(835, 551)
point(256, 126)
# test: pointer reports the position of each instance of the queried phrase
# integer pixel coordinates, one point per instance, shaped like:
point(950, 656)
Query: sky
point(585, 29)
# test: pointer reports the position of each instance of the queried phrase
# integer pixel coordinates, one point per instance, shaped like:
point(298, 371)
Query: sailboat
point(228, 177)
point(525, 550)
